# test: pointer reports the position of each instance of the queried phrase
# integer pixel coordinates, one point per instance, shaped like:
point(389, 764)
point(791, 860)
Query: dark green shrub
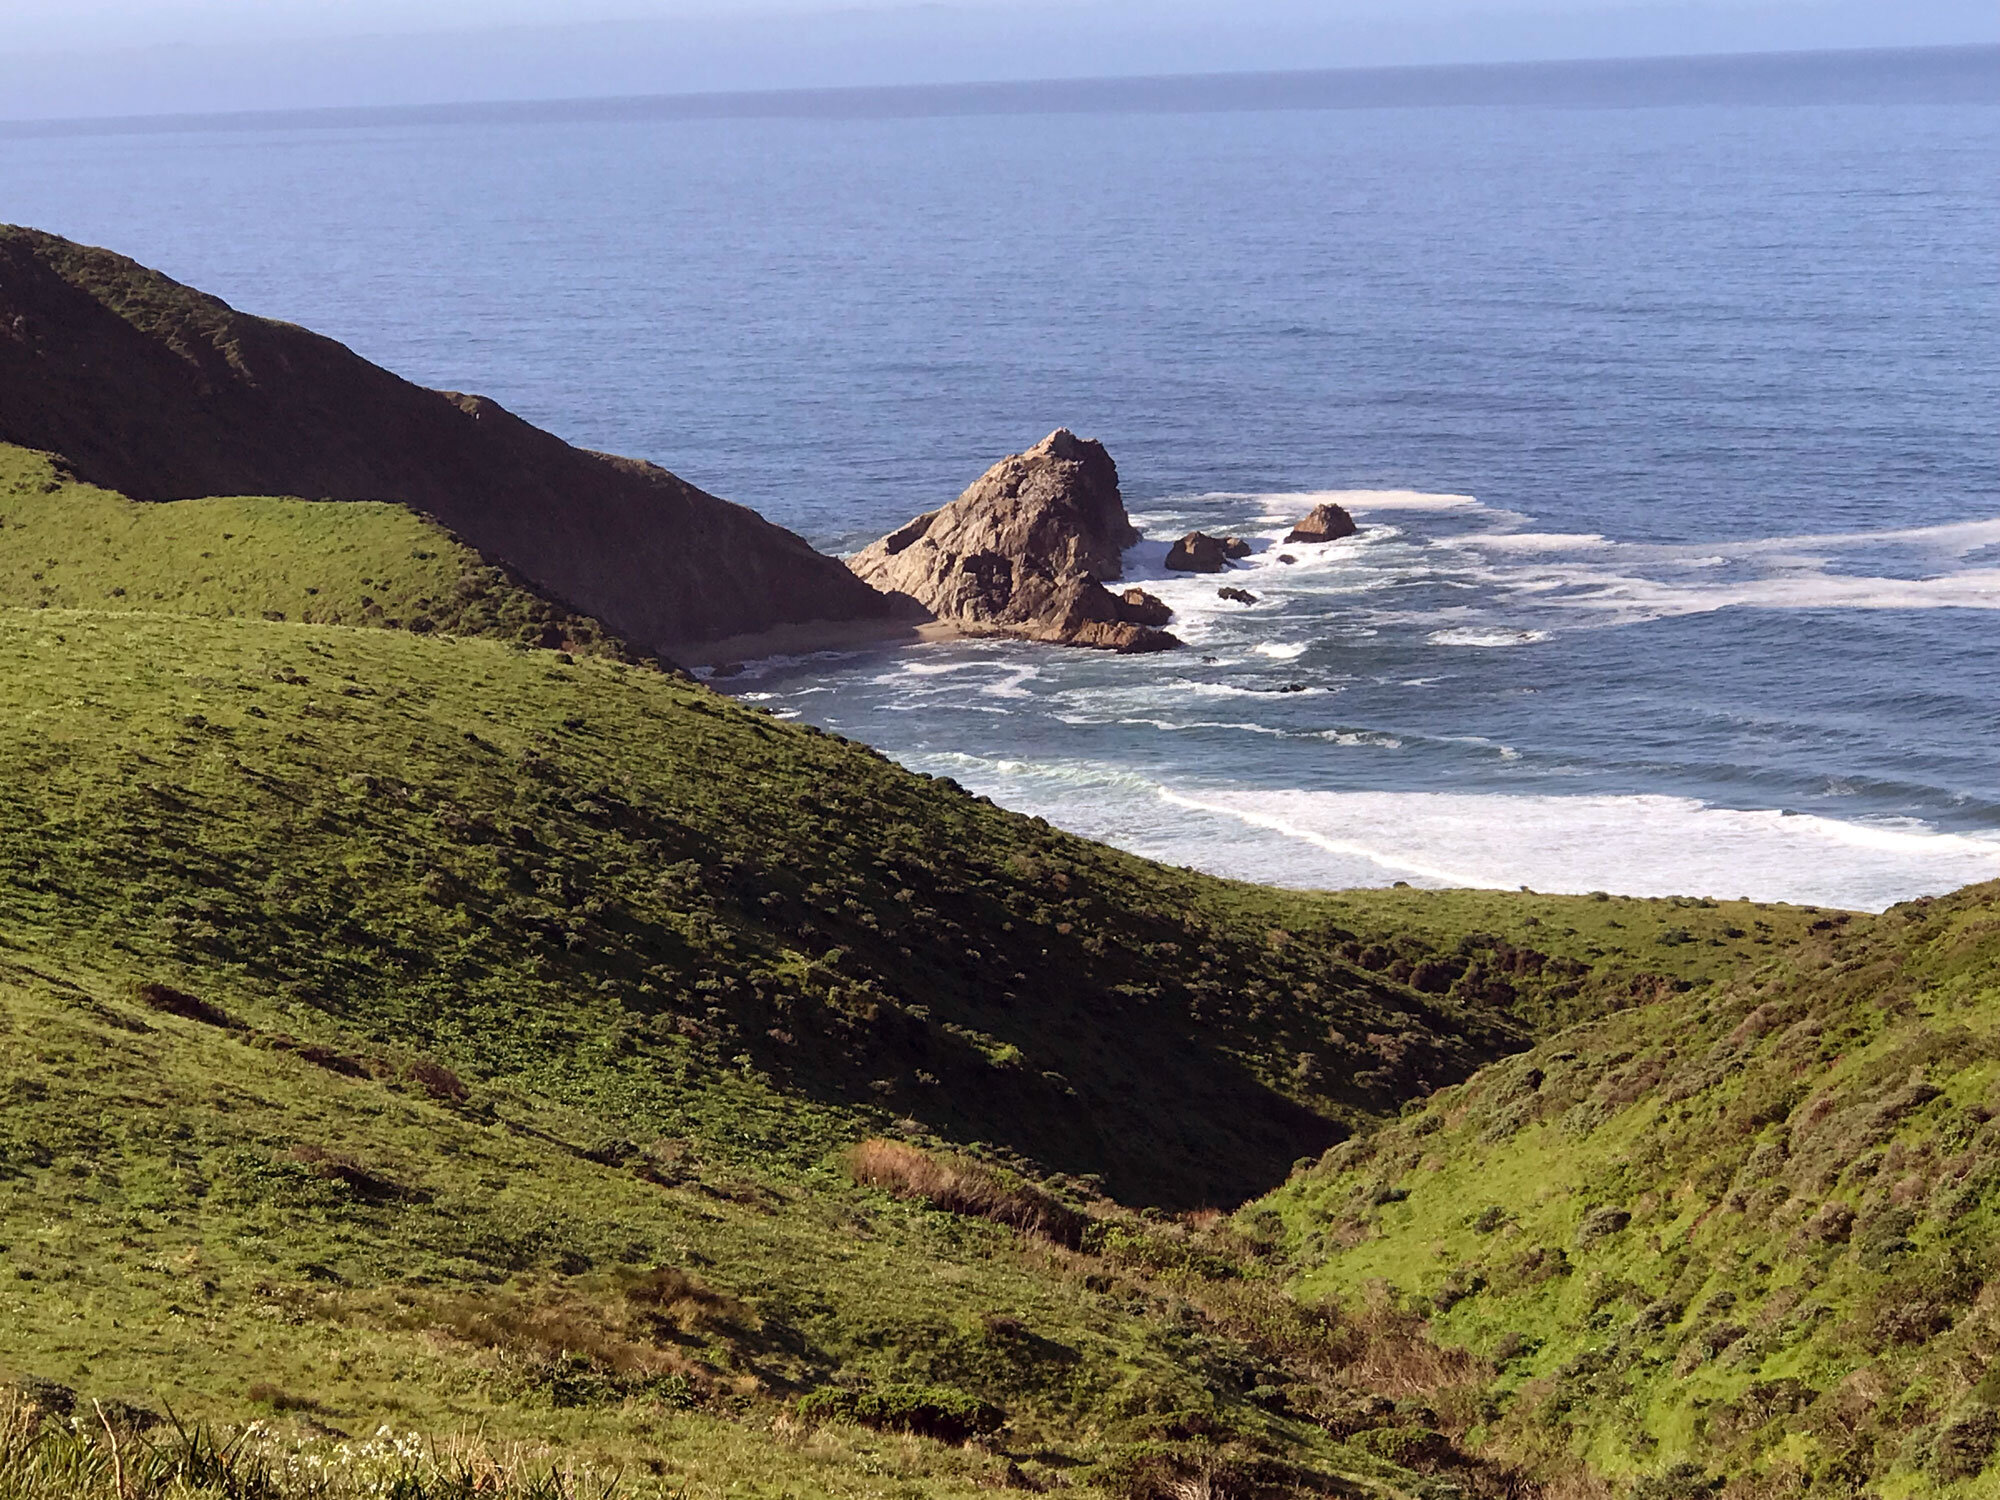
point(1682, 1481)
point(1965, 1444)
point(1600, 1222)
point(167, 1000)
point(1411, 1447)
point(928, 1410)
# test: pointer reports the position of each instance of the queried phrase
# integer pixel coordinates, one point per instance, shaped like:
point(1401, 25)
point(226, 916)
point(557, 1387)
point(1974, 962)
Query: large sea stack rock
point(162, 392)
point(1024, 551)
point(1325, 522)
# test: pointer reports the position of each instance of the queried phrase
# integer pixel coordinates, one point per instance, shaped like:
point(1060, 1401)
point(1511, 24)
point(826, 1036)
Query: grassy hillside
point(432, 1033)
point(225, 1222)
point(69, 545)
point(525, 862)
point(1744, 1235)
point(543, 1055)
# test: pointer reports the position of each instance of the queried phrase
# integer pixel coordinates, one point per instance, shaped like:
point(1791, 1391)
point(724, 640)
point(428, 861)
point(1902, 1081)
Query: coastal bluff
point(1025, 551)
point(161, 392)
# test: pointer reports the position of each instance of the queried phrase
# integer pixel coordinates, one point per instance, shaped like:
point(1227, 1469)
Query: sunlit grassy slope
point(69, 545)
point(1745, 1233)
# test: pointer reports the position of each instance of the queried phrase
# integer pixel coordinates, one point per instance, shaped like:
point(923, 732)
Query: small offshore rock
point(1237, 596)
point(1325, 522)
point(1286, 557)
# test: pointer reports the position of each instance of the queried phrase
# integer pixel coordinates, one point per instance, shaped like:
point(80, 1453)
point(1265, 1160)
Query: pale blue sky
point(40, 25)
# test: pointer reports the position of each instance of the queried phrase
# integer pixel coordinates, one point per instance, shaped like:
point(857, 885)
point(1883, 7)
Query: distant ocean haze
point(139, 57)
point(1690, 580)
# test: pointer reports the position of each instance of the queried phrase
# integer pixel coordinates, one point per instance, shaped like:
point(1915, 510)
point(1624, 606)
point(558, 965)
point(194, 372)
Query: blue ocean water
point(1676, 431)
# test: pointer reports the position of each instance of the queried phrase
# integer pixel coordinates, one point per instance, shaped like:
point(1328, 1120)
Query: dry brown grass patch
point(960, 1185)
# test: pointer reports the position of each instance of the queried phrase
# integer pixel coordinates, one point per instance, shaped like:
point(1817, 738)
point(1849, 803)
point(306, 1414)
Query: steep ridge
point(160, 392)
point(1747, 1236)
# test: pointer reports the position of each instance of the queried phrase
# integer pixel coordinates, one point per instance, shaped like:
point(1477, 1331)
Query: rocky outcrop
point(1325, 522)
point(1023, 552)
point(1198, 552)
point(161, 392)
point(1236, 596)
point(1142, 608)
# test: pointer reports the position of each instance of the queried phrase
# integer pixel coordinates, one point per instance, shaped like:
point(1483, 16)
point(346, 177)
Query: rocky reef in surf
point(1198, 552)
point(1025, 552)
point(1325, 522)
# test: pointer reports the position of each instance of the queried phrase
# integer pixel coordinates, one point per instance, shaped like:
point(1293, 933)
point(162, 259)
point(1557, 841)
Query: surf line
point(1330, 845)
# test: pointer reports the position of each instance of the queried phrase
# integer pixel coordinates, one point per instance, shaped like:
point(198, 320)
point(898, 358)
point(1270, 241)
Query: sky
point(70, 58)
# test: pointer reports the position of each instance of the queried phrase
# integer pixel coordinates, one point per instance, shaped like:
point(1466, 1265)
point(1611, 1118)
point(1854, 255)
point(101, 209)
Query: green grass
point(172, 1242)
point(603, 881)
point(69, 545)
point(406, 1027)
point(1747, 1229)
point(673, 985)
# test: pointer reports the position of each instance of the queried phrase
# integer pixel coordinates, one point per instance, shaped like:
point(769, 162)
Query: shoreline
point(808, 636)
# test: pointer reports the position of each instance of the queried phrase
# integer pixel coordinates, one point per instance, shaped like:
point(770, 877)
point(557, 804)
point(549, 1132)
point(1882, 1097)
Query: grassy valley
point(444, 1050)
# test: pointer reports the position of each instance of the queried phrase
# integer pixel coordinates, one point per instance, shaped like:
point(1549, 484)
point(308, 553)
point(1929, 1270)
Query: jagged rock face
point(161, 392)
point(1198, 552)
point(1142, 608)
point(1325, 522)
point(1023, 552)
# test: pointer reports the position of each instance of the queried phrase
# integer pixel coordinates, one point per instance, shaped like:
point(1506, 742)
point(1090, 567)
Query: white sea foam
point(1353, 738)
point(1487, 638)
point(1598, 580)
point(1289, 505)
point(1375, 501)
point(1282, 650)
point(1639, 845)
point(1630, 845)
point(1536, 541)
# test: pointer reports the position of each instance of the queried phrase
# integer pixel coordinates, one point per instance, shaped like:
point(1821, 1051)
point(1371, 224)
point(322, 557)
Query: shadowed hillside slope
point(161, 392)
point(1748, 1235)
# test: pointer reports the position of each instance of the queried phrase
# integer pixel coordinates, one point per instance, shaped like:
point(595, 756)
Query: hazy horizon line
point(1830, 76)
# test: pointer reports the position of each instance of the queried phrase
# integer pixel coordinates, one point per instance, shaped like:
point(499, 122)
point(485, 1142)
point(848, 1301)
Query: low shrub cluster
point(926, 1410)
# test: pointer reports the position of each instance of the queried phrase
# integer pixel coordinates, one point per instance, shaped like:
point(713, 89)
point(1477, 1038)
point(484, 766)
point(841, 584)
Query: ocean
point(1674, 434)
